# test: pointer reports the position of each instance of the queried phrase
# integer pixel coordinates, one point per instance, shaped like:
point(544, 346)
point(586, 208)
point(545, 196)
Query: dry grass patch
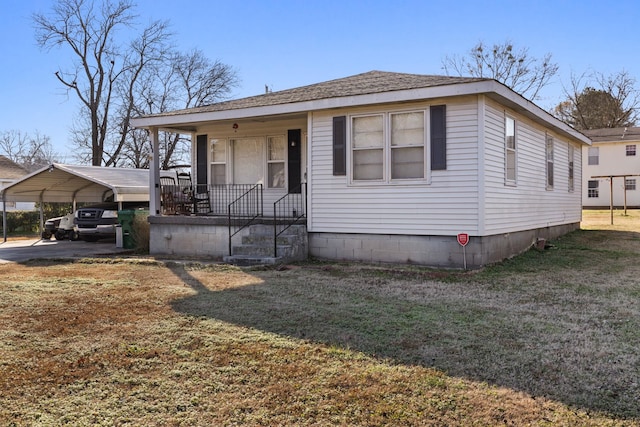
point(547, 338)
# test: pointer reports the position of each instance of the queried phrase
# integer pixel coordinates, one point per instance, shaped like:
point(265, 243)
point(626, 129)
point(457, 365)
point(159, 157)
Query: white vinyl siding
point(529, 205)
point(446, 205)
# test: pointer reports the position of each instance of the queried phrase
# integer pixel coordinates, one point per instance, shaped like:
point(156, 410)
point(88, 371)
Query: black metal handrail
point(205, 200)
point(287, 211)
point(244, 210)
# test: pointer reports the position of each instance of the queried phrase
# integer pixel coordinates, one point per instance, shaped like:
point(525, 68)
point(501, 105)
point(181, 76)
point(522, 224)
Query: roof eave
point(489, 87)
point(314, 105)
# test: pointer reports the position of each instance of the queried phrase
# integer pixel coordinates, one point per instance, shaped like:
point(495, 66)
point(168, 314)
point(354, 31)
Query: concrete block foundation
point(433, 251)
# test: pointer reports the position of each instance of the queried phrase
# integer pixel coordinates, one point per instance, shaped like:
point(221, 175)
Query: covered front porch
point(248, 179)
point(230, 221)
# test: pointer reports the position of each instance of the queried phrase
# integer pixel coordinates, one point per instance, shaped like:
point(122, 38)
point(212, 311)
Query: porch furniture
point(184, 195)
point(167, 188)
point(198, 196)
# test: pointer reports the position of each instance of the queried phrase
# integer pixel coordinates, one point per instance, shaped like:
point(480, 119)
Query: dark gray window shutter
point(340, 145)
point(438, 137)
point(201, 161)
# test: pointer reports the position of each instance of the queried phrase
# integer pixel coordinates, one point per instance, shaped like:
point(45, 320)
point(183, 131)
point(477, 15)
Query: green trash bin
point(125, 219)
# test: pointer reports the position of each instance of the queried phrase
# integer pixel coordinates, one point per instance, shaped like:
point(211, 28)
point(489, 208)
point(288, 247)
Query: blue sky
point(291, 43)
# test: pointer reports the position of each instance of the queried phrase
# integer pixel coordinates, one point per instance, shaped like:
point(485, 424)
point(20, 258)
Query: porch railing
point(287, 211)
point(205, 200)
point(244, 210)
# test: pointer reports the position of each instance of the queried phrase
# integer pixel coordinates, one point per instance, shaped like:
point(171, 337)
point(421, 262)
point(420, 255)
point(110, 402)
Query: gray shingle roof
point(613, 134)
point(11, 170)
point(360, 84)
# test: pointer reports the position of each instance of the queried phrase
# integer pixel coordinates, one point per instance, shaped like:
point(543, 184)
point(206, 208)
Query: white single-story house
point(9, 173)
point(611, 168)
point(376, 167)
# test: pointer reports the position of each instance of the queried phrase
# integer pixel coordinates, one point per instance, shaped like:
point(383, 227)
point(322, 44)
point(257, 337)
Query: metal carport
point(71, 183)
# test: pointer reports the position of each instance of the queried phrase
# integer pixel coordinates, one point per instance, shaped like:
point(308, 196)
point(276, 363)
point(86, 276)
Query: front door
point(294, 156)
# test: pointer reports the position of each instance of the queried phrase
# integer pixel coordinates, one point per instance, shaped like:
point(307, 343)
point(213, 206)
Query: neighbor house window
point(592, 191)
point(594, 155)
point(631, 150)
point(630, 184)
point(510, 150)
point(275, 161)
point(389, 146)
point(218, 161)
point(549, 155)
point(571, 163)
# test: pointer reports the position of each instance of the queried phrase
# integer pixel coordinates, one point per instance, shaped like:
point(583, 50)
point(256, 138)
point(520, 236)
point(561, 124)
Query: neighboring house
point(380, 167)
point(611, 166)
point(10, 172)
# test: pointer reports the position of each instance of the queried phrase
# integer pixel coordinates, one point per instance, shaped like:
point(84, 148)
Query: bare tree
point(90, 31)
point(597, 101)
point(185, 80)
point(506, 64)
point(29, 151)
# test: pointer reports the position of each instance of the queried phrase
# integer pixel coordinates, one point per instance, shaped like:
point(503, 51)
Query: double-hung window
point(368, 143)
point(407, 145)
point(275, 161)
point(630, 184)
point(389, 146)
point(630, 150)
point(218, 161)
point(594, 156)
point(549, 163)
point(571, 164)
point(593, 189)
point(510, 150)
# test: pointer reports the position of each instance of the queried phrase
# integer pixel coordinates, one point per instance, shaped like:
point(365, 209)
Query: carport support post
point(611, 198)
point(4, 217)
point(154, 174)
point(41, 215)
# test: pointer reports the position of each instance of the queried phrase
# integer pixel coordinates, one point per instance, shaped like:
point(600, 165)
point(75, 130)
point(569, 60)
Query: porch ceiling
point(192, 127)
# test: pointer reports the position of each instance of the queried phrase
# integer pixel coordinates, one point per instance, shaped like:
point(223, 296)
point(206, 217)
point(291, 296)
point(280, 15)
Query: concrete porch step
point(261, 250)
point(249, 260)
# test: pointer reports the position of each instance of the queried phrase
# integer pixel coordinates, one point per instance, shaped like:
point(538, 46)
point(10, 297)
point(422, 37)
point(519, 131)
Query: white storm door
point(248, 161)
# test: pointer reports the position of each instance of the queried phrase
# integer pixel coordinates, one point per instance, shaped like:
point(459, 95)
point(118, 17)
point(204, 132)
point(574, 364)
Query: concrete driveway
point(23, 250)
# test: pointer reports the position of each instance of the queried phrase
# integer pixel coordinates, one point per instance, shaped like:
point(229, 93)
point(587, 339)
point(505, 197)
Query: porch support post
point(154, 173)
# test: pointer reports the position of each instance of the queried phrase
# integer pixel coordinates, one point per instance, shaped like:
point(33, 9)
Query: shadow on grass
point(454, 327)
